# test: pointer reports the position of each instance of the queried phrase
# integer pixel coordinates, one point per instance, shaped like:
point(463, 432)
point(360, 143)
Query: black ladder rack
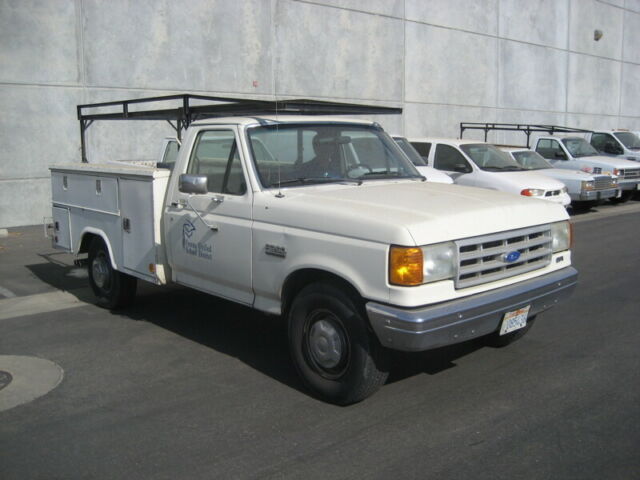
point(213, 106)
point(518, 127)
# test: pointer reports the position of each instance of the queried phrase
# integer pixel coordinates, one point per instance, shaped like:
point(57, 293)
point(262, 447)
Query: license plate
point(514, 320)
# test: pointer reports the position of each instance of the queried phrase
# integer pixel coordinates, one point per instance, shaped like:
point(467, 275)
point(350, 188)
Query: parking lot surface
point(184, 385)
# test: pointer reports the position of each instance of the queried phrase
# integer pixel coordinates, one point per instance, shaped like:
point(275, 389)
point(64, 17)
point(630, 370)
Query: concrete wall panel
point(42, 130)
point(532, 77)
point(38, 40)
point(630, 95)
point(24, 202)
point(543, 22)
point(221, 45)
point(632, 5)
point(631, 41)
point(594, 85)
point(478, 16)
point(422, 120)
point(589, 15)
point(525, 117)
point(337, 53)
point(451, 67)
point(592, 122)
point(392, 8)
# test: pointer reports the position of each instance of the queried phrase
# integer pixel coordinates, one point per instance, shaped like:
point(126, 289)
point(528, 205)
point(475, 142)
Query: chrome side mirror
point(195, 184)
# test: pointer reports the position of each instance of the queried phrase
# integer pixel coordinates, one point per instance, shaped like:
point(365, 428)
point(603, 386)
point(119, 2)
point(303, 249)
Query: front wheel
point(331, 346)
point(112, 289)
point(625, 196)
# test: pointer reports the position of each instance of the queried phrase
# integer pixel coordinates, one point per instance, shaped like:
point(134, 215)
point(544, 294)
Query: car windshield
point(579, 147)
point(629, 140)
point(489, 158)
point(531, 160)
point(308, 153)
point(411, 152)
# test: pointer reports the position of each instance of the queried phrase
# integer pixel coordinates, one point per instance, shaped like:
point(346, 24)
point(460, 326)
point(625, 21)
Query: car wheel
point(336, 355)
point(112, 289)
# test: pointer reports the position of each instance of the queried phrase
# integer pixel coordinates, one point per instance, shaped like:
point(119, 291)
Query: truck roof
point(273, 119)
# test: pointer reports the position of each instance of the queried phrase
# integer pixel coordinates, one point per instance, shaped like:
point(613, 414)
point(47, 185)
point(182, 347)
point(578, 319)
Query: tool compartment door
point(137, 216)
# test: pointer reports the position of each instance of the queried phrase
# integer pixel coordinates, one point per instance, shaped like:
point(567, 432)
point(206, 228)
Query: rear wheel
point(332, 348)
point(498, 341)
point(112, 289)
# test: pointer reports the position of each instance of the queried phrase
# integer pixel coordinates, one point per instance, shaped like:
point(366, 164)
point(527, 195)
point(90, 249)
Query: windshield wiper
point(315, 180)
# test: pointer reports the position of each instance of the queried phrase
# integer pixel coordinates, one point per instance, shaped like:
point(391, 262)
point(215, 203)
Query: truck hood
point(566, 175)
point(607, 163)
point(403, 213)
point(529, 179)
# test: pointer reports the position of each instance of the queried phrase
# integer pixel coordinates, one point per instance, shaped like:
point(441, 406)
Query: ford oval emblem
point(511, 256)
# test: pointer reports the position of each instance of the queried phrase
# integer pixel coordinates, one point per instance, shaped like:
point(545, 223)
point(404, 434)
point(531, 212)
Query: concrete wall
point(445, 61)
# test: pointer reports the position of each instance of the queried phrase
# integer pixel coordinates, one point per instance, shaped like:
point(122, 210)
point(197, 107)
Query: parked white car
point(478, 164)
point(582, 186)
point(430, 173)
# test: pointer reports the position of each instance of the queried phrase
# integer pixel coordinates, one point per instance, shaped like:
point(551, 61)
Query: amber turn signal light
point(406, 266)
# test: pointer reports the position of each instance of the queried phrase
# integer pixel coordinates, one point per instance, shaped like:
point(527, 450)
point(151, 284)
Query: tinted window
point(449, 159)
point(550, 149)
point(216, 156)
point(423, 149)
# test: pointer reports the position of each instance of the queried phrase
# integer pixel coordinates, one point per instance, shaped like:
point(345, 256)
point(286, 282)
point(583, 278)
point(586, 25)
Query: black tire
point(625, 197)
point(499, 341)
point(112, 289)
point(336, 355)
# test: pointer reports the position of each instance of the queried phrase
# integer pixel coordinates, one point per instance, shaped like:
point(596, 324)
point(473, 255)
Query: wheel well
point(301, 278)
point(85, 244)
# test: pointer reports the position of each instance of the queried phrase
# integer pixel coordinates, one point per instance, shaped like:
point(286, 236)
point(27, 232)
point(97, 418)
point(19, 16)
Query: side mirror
point(461, 168)
point(560, 155)
point(196, 184)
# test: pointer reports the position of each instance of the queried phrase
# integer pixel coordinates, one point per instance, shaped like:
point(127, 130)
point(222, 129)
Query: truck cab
point(619, 143)
point(479, 164)
point(575, 153)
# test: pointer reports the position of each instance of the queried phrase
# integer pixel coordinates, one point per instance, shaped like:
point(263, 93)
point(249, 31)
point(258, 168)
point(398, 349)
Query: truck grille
point(597, 170)
point(630, 173)
point(483, 259)
point(602, 182)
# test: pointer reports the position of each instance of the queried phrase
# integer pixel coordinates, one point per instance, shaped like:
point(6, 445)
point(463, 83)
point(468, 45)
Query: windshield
point(489, 158)
point(411, 152)
point(531, 160)
point(579, 147)
point(629, 140)
point(306, 153)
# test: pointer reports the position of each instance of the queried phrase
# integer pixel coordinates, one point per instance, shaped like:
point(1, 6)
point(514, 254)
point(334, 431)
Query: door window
point(449, 159)
point(550, 149)
point(216, 156)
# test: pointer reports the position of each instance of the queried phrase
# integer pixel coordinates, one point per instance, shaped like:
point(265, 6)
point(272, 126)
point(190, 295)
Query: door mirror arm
point(213, 228)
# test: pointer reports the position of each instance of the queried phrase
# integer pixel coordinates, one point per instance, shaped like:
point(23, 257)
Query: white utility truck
point(321, 220)
point(571, 153)
point(619, 143)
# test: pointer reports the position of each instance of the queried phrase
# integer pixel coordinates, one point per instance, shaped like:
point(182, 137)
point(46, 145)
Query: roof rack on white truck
point(324, 221)
point(572, 153)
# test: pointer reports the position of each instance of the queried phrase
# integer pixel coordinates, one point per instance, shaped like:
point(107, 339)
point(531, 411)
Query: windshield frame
point(410, 151)
point(390, 147)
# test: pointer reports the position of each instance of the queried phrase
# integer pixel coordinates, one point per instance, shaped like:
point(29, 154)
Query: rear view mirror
point(196, 184)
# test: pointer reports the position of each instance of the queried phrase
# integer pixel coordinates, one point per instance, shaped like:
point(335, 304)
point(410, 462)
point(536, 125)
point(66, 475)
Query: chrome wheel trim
point(100, 271)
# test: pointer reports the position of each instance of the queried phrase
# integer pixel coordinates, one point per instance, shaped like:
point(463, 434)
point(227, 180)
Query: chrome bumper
point(595, 195)
point(628, 184)
point(452, 322)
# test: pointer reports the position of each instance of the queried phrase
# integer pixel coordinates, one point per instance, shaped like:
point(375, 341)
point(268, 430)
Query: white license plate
point(514, 320)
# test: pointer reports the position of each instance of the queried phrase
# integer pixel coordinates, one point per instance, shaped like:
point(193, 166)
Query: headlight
point(614, 181)
point(588, 185)
point(410, 266)
point(561, 236)
point(532, 192)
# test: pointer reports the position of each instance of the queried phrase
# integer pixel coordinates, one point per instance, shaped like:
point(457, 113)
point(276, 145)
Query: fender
point(105, 239)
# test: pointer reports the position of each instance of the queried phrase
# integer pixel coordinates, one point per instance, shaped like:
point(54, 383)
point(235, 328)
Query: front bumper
point(587, 196)
point(629, 184)
point(458, 320)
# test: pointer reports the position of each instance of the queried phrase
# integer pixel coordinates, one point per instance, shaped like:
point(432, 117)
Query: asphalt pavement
point(185, 386)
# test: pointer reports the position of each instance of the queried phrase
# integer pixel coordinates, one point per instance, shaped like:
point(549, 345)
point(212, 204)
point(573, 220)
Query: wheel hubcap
point(100, 271)
point(326, 344)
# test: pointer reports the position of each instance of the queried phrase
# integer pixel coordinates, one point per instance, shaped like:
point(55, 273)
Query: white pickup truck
point(621, 143)
point(575, 153)
point(323, 221)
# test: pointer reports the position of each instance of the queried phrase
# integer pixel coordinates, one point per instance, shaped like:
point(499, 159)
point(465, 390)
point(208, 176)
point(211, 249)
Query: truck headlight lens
point(561, 236)
point(406, 266)
point(614, 181)
point(532, 192)
point(410, 266)
point(588, 185)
